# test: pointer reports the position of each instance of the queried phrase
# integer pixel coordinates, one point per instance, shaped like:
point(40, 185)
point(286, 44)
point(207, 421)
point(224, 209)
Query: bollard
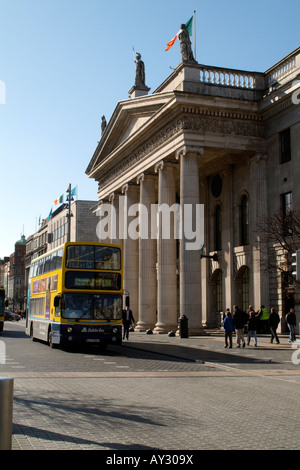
point(183, 327)
point(6, 412)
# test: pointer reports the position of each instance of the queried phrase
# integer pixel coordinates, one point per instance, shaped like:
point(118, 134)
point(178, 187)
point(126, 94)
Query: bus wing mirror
point(57, 300)
point(127, 301)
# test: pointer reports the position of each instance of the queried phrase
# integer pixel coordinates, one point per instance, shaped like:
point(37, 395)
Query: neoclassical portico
point(197, 141)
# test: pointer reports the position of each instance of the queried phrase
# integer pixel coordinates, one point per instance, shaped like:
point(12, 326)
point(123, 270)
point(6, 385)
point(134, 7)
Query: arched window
point(218, 228)
point(245, 221)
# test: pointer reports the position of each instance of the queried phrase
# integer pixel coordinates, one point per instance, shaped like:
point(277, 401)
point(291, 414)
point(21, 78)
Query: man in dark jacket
point(274, 321)
point(240, 319)
point(127, 320)
point(290, 318)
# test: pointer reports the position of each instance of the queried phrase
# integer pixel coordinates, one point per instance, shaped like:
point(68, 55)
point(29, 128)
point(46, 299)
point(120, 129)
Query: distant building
point(3, 265)
point(54, 232)
point(12, 275)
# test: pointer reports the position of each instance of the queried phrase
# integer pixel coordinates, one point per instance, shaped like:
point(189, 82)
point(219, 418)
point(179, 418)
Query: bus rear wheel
point(31, 332)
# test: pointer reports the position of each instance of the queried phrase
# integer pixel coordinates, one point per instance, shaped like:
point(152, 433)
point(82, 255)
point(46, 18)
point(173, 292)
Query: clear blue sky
point(65, 63)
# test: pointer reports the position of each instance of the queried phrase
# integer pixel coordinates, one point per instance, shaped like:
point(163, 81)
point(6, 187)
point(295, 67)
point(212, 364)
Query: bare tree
point(279, 238)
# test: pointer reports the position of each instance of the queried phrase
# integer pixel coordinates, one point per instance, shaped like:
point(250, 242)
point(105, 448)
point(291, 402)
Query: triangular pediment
point(134, 123)
point(128, 119)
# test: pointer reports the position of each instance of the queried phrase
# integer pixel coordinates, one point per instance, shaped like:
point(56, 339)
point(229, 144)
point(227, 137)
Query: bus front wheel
point(50, 340)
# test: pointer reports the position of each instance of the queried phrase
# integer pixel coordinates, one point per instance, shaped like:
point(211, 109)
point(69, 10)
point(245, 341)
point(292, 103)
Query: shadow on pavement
point(233, 356)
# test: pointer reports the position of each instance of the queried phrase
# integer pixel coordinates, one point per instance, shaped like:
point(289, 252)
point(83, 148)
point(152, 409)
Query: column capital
point(103, 201)
point(159, 166)
point(259, 157)
point(100, 203)
point(128, 186)
point(125, 188)
point(145, 177)
point(140, 178)
point(164, 164)
point(189, 149)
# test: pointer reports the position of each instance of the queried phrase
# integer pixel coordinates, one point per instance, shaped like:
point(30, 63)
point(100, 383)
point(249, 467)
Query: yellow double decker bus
point(2, 308)
point(75, 295)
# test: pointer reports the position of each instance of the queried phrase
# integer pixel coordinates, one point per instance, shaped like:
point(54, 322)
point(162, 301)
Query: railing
point(282, 69)
point(227, 77)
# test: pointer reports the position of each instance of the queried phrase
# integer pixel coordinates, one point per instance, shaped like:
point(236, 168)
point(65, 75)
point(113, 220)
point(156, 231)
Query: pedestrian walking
point(263, 319)
point(228, 325)
point(127, 321)
point(240, 319)
point(290, 318)
point(252, 327)
point(274, 321)
point(250, 310)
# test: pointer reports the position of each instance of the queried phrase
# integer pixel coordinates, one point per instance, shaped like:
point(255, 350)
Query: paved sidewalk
point(209, 348)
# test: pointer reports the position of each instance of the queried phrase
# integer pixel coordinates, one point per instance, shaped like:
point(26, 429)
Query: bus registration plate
point(92, 340)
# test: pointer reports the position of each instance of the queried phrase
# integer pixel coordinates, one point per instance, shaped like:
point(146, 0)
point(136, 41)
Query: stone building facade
point(12, 276)
point(210, 136)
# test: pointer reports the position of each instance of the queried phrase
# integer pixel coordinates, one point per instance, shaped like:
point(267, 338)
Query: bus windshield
point(92, 307)
point(93, 257)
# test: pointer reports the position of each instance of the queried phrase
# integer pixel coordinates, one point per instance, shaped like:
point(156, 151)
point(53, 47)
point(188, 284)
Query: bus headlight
point(69, 330)
point(115, 330)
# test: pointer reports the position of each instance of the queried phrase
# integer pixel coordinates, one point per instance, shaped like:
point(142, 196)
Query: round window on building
point(216, 186)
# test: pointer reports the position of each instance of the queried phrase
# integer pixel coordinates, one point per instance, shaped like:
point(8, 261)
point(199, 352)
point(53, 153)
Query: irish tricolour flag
point(188, 26)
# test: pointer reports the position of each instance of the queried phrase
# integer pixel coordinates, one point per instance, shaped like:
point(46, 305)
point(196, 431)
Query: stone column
point(147, 255)
point(104, 233)
point(228, 239)
point(114, 224)
point(205, 262)
point(190, 264)
point(130, 248)
point(258, 208)
point(166, 252)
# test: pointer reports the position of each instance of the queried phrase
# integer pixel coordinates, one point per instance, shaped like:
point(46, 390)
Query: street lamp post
point(69, 214)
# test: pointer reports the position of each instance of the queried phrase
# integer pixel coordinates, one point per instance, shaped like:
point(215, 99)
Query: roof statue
point(186, 45)
point(139, 71)
point(103, 124)
point(139, 88)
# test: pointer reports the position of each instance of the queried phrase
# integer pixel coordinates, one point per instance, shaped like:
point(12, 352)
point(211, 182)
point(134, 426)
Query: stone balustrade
point(227, 77)
point(283, 69)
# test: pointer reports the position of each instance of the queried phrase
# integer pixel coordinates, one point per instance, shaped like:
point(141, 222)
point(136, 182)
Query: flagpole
point(195, 34)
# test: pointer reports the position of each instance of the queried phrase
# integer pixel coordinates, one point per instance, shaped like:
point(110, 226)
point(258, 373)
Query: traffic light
point(296, 265)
